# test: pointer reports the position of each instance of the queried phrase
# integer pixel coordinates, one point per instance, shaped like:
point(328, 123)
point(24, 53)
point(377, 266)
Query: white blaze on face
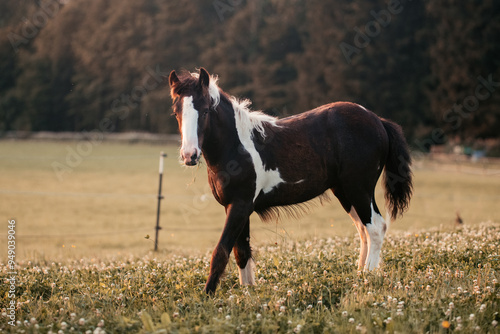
point(189, 131)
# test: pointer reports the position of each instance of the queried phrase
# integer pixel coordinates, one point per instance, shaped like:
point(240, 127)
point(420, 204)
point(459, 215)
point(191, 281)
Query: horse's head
point(195, 96)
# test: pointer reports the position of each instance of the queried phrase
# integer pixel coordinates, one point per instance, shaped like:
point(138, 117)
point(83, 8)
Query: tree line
point(77, 65)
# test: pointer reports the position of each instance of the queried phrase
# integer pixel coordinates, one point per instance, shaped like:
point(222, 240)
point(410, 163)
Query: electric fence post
point(160, 197)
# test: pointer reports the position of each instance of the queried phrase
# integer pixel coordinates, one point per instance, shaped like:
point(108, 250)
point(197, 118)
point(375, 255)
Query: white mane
point(247, 119)
point(213, 88)
point(250, 120)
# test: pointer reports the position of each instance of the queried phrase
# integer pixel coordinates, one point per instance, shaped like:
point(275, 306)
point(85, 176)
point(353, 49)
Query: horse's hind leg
point(376, 232)
point(370, 224)
point(243, 255)
point(363, 238)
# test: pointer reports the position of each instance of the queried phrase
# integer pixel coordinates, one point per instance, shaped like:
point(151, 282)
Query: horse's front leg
point(237, 217)
point(243, 255)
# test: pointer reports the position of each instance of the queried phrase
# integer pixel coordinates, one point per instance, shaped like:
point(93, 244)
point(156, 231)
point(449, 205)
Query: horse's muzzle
point(191, 160)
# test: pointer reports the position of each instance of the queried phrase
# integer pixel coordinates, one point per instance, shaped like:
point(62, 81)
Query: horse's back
point(320, 149)
point(338, 127)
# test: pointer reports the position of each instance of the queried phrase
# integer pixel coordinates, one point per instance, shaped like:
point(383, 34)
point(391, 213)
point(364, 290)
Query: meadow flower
point(282, 309)
point(344, 313)
point(494, 323)
point(101, 323)
point(482, 308)
point(445, 324)
point(471, 316)
point(228, 317)
point(81, 322)
point(459, 320)
point(289, 293)
point(259, 316)
point(351, 320)
point(64, 325)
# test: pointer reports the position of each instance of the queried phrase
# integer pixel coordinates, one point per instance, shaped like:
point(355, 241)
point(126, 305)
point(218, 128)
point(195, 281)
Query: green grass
point(434, 281)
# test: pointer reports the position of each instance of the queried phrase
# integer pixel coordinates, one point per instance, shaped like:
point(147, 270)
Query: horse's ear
point(173, 79)
point(204, 80)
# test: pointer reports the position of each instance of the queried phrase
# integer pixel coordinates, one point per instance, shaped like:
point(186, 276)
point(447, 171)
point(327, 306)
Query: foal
point(260, 163)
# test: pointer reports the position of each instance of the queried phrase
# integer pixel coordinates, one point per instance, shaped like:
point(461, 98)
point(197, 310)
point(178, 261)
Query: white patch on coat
point(247, 274)
point(376, 232)
point(246, 122)
point(362, 237)
point(189, 129)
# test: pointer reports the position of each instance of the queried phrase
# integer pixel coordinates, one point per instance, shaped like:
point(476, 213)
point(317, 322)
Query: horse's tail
point(398, 176)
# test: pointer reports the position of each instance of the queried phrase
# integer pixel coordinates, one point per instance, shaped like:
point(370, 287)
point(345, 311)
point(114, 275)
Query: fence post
point(160, 197)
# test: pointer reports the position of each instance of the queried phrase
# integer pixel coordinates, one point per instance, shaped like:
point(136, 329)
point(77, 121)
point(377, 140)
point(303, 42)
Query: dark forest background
point(80, 65)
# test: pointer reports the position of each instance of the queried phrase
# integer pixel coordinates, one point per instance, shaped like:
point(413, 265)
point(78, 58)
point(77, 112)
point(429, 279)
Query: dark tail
point(398, 176)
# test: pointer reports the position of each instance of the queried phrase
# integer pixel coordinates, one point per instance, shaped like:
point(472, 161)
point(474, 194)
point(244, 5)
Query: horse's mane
point(250, 119)
point(247, 118)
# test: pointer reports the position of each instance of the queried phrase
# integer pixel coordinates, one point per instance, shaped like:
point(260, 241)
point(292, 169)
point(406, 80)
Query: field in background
point(104, 203)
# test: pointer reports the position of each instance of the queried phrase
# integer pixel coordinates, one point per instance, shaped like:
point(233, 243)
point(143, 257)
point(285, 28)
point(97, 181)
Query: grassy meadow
point(84, 240)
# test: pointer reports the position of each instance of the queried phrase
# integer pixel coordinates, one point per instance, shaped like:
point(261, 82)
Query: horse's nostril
point(194, 157)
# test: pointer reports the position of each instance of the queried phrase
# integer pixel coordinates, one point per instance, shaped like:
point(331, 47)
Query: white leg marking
point(247, 274)
point(376, 231)
point(363, 242)
point(245, 124)
point(189, 129)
